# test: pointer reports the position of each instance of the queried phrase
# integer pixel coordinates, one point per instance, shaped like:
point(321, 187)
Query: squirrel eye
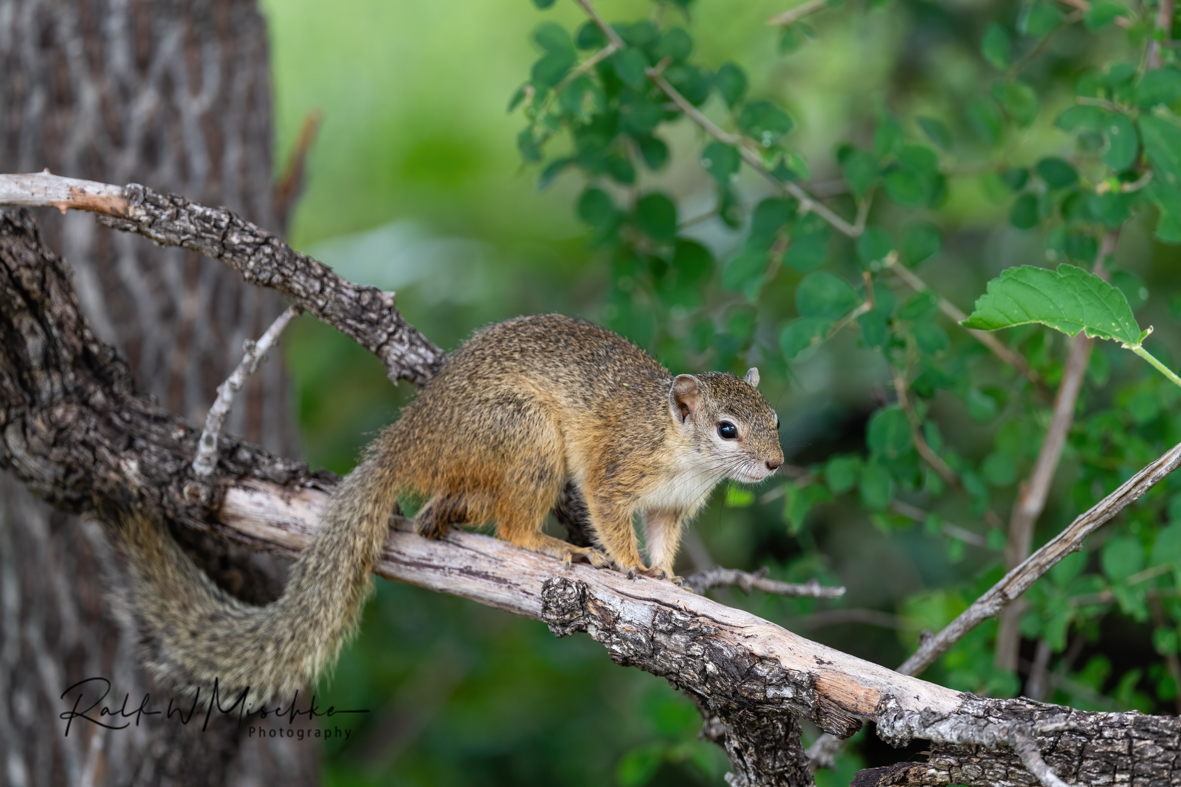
point(727, 430)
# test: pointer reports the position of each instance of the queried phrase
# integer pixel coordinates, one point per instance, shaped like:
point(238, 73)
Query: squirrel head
point(729, 420)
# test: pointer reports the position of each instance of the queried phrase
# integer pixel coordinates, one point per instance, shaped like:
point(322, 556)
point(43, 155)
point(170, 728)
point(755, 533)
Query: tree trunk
point(175, 95)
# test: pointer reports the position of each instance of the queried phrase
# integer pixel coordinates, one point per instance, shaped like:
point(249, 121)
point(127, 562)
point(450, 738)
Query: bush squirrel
point(520, 411)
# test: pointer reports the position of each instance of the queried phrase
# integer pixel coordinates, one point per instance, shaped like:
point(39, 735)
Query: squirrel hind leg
point(444, 511)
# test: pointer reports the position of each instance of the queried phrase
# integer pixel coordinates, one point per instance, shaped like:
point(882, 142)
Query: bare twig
point(206, 458)
point(794, 15)
point(291, 181)
point(1017, 581)
point(717, 576)
point(955, 531)
point(1022, 740)
point(951, 310)
point(1032, 499)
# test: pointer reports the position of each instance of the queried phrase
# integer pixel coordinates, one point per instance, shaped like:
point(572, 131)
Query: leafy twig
point(793, 15)
point(951, 310)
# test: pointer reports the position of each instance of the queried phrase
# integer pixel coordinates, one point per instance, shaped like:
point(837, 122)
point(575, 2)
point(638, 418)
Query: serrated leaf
point(769, 217)
point(1083, 117)
point(1069, 300)
point(985, 118)
point(549, 70)
point(721, 161)
point(731, 83)
point(888, 433)
point(873, 246)
point(596, 208)
point(806, 253)
point(674, 43)
point(1039, 20)
point(552, 37)
point(841, 473)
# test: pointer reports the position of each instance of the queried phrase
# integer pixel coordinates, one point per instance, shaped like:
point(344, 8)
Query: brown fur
point(520, 411)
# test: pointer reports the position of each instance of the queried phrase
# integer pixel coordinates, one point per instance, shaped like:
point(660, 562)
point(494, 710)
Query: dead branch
point(365, 314)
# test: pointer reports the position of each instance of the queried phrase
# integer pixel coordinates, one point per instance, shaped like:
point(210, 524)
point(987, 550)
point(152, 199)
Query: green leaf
point(589, 36)
point(763, 121)
point(825, 295)
point(1069, 300)
point(920, 241)
point(1167, 548)
point(1024, 214)
point(801, 334)
point(877, 487)
point(999, 470)
point(985, 118)
point(806, 253)
point(552, 37)
point(721, 160)
point(596, 208)
point(1039, 20)
point(909, 187)
point(861, 170)
point(657, 216)
point(889, 433)
point(997, 47)
point(1162, 143)
point(841, 473)
point(631, 67)
point(887, 137)
point(738, 497)
point(1121, 557)
point(675, 44)
point(549, 70)
point(873, 246)
point(745, 268)
point(1159, 86)
point(1056, 172)
point(731, 83)
point(1018, 100)
point(693, 262)
point(936, 131)
point(654, 151)
point(1122, 144)
point(769, 217)
point(1102, 13)
point(1083, 117)
point(543, 4)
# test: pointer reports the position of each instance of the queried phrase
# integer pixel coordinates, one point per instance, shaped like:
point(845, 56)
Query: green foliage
point(1004, 149)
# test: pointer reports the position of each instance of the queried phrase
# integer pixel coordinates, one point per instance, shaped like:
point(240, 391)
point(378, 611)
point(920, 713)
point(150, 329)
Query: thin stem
point(205, 461)
point(1166, 371)
point(951, 310)
point(807, 202)
point(794, 15)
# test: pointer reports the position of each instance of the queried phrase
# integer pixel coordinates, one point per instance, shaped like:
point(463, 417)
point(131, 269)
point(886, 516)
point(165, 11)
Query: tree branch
point(365, 314)
point(75, 432)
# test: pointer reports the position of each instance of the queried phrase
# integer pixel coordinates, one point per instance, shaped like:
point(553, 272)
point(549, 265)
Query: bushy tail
point(194, 633)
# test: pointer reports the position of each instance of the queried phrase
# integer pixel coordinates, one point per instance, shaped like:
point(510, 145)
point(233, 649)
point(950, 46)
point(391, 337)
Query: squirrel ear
point(752, 376)
point(684, 397)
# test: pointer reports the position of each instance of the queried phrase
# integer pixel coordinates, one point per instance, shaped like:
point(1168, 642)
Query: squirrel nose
point(773, 466)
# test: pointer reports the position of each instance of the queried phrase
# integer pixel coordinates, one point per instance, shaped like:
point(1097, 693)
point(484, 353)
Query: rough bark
point(176, 94)
point(72, 424)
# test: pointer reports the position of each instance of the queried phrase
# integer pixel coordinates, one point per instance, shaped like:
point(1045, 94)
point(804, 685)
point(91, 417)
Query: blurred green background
point(415, 184)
